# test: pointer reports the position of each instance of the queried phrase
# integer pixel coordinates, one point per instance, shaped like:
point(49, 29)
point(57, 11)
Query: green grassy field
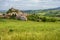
point(29, 30)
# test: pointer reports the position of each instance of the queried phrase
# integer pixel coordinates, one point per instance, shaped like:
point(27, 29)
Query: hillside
point(46, 12)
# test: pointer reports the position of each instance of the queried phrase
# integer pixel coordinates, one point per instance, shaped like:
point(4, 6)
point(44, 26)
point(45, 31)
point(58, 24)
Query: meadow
point(29, 30)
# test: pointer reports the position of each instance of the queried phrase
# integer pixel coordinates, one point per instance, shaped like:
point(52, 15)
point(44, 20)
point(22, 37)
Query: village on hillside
point(14, 13)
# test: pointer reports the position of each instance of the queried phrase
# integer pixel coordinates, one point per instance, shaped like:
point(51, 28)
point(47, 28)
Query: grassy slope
point(28, 30)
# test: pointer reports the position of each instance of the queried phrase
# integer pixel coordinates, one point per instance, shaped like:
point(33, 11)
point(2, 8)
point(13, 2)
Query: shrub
point(53, 20)
point(44, 19)
point(38, 18)
point(49, 19)
point(11, 30)
point(33, 17)
point(3, 14)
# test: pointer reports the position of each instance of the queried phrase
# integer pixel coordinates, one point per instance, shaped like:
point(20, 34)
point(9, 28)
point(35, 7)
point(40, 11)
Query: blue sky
point(29, 4)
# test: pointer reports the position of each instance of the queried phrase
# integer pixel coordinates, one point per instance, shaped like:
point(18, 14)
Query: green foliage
point(33, 17)
point(36, 17)
point(52, 20)
point(29, 30)
point(48, 19)
point(51, 13)
point(44, 19)
point(2, 20)
point(3, 14)
point(11, 30)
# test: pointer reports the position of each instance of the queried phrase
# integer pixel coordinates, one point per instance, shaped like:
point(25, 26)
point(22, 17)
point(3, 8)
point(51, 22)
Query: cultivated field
point(29, 30)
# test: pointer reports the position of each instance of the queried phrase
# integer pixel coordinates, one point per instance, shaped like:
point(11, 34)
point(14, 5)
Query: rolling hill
point(47, 12)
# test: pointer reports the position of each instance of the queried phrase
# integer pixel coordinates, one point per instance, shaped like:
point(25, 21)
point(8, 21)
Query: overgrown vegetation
point(35, 17)
point(29, 30)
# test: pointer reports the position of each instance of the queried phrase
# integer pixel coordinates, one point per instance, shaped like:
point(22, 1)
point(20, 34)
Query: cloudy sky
point(29, 4)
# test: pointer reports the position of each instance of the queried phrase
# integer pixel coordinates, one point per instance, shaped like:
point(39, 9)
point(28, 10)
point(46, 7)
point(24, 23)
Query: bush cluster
point(33, 17)
point(49, 19)
point(37, 18)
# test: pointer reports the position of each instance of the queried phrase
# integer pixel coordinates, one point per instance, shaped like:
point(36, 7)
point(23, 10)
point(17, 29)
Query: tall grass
point(29, 30)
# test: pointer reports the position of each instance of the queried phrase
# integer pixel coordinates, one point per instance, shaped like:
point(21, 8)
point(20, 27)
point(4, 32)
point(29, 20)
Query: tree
point(13, 16)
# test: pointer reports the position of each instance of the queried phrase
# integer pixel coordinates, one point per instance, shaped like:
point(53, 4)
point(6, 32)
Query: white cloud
point(14, 0)
point(29, 4)
point(35, 0)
